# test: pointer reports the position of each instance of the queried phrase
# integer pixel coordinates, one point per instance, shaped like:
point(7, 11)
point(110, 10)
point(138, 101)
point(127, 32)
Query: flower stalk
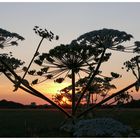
point(91, 79)
point(107, 99)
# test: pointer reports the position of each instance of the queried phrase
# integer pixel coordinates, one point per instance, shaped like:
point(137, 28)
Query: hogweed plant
point(44, 34)
point(104, 39)
point(9, 39)
point(123, 98)
point(133, 65)
point(66, 61)
point(100, 88)
point(20, 82)
point(83, 55)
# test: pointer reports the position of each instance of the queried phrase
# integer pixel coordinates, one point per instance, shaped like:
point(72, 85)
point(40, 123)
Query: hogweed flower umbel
point(109, 39)
point(65, 58)
point(44, 33)
point(9, 39)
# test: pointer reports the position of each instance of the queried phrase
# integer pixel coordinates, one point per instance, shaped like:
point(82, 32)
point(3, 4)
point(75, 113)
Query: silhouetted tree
point(33, 105)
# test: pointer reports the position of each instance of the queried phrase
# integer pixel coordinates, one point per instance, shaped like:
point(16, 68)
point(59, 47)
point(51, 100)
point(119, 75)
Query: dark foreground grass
point(30, 123)
point(45, 123)
point(127, 116)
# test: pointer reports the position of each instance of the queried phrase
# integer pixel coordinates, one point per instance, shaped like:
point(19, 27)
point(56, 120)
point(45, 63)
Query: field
point(30, 123)
point(45, 123)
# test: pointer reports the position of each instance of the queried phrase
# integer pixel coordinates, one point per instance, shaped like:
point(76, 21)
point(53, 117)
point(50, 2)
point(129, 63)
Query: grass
point(125, 115)
point(45, 123)
point(30, 123)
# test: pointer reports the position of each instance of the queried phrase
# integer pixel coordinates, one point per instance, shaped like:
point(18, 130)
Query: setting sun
point(51, 88)
point(65, 101)
point(65, 73)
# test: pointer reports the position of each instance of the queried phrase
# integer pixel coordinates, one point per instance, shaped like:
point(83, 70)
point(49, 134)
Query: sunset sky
point(68, 20)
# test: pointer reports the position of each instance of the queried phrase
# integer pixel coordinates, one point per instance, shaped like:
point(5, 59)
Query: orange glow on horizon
point(48, 88)
point(51, 88)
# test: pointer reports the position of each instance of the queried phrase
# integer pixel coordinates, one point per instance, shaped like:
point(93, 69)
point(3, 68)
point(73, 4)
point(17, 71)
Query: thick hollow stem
point(91, 79)
point(107, 99)
point(73, 92)
point(34, 91)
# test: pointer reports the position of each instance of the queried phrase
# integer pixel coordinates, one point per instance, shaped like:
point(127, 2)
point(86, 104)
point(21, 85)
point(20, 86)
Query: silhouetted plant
point(9, 39)
point(45, 34)
point(86, 54)
point(99, 87)
point(104, 39)
point(67, 61)
point(124, 97)
point(133, 65)
point(10, 63)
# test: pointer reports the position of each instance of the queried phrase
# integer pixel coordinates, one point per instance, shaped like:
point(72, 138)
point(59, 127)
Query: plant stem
point(33, 58)
point(138, 69)
point(107, 99)
point(73, 92)
point(23, 88)
point(91, 79)
point(88, 99)
point(34, 91)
